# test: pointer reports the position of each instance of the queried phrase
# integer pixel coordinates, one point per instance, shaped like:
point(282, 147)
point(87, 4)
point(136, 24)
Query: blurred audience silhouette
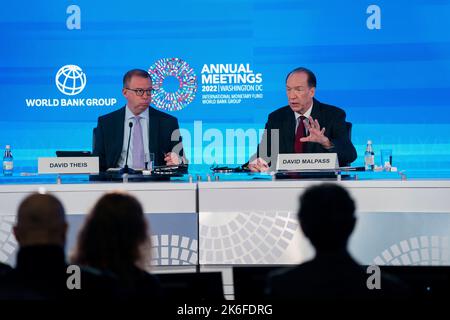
point(115, 239)
point(41, 268)
point(113, 249)
point(4, 268)
point(327, 218)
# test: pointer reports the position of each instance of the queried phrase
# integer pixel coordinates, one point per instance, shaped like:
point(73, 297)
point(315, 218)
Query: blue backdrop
point(386, 63)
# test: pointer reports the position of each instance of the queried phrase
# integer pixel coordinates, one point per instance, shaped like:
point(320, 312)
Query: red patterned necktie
point(300, 133)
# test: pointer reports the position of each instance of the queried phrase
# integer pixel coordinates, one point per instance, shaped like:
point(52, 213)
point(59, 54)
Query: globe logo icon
point(70, 80)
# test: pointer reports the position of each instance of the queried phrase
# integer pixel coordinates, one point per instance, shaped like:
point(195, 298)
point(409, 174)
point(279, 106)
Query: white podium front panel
point(170, 209)
point(254, 222)
point(399, 222)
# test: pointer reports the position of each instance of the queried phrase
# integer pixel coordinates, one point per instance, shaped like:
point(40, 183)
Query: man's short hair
point(37, 207)
point(41, 220)
point(327, 215)
point(312, 81)
point(134, 73)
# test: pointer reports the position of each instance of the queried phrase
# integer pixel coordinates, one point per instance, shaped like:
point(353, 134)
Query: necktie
point(300, 133)
point(138, 144)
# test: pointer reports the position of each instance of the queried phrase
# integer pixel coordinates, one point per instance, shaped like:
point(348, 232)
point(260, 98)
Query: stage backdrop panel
point(222, 65)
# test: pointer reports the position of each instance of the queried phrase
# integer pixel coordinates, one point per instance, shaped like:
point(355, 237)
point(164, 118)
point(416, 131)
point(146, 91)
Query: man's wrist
point(327, 144)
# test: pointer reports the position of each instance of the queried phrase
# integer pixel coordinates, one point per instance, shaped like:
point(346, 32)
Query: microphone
point(125, 169)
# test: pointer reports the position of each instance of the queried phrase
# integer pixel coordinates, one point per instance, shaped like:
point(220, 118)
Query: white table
point(170, 207)
point(254, 222)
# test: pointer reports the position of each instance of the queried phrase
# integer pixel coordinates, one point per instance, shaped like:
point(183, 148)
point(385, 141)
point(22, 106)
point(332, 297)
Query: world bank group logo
point(174, 83)
point(70, 80)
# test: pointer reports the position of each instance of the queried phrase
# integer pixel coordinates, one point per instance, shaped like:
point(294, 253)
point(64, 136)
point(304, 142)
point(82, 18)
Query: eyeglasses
point(140, 92)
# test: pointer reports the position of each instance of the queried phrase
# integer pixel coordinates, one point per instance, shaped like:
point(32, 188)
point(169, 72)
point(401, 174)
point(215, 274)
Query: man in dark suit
point(304, 126)
point(327, 218)
point(153, 133)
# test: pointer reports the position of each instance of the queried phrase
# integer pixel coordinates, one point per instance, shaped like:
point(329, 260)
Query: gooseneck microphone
point(125, 168)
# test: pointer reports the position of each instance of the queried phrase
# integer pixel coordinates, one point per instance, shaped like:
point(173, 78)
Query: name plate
point(307, 161)
point(68, 165)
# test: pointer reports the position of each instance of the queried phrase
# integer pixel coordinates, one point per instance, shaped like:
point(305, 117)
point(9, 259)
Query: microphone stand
point(126, 169)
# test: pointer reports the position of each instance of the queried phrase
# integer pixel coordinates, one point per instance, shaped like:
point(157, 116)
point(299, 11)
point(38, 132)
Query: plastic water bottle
point(369, 157)
point(8, 164)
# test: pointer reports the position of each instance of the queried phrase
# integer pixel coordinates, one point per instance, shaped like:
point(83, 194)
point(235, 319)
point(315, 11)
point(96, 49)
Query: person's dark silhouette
point(115, 238)
point(4, 268)
point(327, 218)
point(41, 268)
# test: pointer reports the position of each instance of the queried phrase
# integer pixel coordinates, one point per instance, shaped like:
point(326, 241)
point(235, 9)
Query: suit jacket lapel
point(117, 134)
point(315, 114)
point(153, 129)
point(288, 135)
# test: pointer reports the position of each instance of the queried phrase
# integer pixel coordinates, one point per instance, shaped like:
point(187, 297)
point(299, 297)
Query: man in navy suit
point(304, 126)
point(153, 133)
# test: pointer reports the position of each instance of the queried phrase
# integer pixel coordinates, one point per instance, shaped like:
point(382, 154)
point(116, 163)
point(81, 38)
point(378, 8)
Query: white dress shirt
point(307, 114)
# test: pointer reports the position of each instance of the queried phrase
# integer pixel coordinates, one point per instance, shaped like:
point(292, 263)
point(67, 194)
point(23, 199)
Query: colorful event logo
point(169, 69)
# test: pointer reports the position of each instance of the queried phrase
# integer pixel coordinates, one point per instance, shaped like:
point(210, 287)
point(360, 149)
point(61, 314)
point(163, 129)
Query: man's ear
point(312, 92)
point(124, 92)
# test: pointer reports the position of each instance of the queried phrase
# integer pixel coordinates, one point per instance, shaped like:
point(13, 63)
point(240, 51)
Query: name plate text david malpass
point(307, 161)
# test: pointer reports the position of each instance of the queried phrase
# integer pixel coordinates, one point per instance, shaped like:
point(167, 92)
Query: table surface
point(21, 178)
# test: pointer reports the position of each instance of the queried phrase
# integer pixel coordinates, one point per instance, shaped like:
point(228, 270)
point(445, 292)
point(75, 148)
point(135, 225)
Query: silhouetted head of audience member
point(41, 220)
point(114, 234)
point(327, 217)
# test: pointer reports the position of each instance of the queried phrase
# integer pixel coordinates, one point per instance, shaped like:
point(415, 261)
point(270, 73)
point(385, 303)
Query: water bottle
point(8, 164)
point(369, 157)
